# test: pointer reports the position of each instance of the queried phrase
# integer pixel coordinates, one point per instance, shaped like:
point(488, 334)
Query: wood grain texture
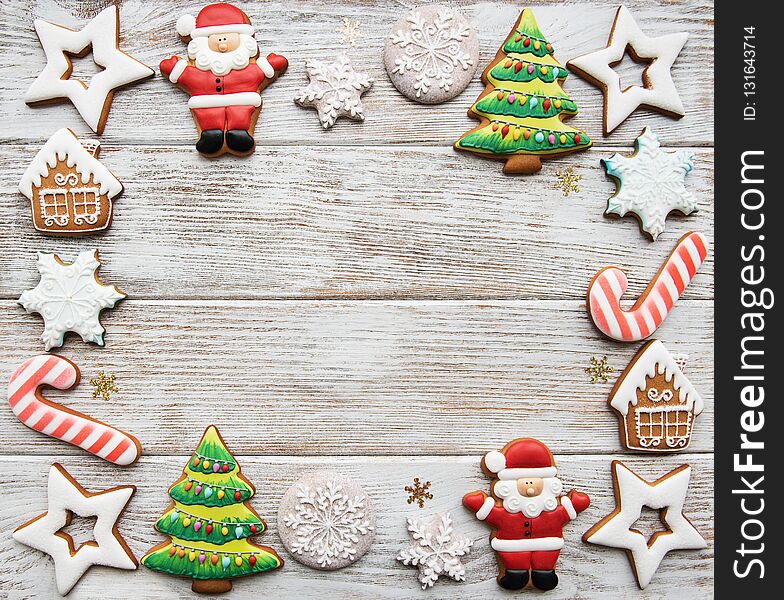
point(585, 570)
point(363, 299)
point(348, 378)
point(334, 222)
point(307, 29)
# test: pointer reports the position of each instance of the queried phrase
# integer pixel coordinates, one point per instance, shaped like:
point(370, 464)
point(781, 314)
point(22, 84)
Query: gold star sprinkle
point(418, 492)
point(349, 32)
point(567, 181)
point(599, 370)
point(104, 386)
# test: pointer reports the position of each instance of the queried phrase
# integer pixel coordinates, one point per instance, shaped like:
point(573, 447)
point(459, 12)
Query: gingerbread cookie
point(101, 37)
point(431, 54)
point(667, 495)
point(70, 191)
point(650, 183)
point(436, 549)
point(656, 403)
point(33, 409)
point(67, 497)
point(658, 91)
point(526, 511)
point(224, 75)
point(209, 523)
point(335, 90)
point(326, 521)
point(654, 304)
point(523, 105)
point(70, 297)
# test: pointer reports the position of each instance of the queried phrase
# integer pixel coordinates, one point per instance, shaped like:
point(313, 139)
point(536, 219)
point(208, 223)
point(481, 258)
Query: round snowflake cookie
point(326, 521)
point(431, 54)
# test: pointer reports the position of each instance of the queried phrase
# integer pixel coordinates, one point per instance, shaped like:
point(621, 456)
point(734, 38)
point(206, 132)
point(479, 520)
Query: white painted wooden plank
point(585, 570)
point(336, 222)
point(327, 377)
point(155, 112)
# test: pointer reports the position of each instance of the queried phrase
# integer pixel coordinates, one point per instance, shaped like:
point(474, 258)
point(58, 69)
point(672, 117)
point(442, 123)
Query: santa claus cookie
point(527, 513)
point(224, 75)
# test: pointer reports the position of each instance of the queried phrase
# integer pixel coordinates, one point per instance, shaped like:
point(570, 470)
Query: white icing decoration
point(435, 549)
point(661, 51)
point(66, 496)
point(335, 90)
point(328, 522)
point(64, 146)
point(218, 100)
point(433, 49)
point(651, 360)
point(70, 298)
point(651, 183)
point(667, 494)
point(119, 69)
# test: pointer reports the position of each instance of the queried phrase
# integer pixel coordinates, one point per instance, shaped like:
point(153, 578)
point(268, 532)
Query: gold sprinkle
point(418, 492)
point(599, 370)
point(104, 386)
point(567, 181)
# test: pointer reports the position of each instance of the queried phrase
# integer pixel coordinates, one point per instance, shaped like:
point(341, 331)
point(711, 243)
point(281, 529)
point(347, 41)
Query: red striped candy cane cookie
point(655, 303)
point(54, 420)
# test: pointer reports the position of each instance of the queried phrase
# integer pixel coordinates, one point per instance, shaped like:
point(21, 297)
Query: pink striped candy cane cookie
point(655, 303)
point(57, 421)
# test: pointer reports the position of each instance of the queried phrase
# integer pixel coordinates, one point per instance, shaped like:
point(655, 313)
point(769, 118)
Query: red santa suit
point(524, 542)
point(221, 101)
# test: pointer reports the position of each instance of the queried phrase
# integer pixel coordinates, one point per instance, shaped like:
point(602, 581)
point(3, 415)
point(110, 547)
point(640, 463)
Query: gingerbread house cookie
point(656, 403)
point(71, 192)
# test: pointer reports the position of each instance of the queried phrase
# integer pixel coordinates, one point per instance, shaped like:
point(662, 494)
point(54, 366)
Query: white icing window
point(59, 205)
point(670, 425)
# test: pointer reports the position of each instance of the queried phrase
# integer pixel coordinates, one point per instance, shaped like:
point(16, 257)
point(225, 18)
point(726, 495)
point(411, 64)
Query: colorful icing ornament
point(224, 75)
point(650, 183)
point(66, 498)
point(70, 297)
point(667, 495)
point(101, 36)
point(654, 304)
point(655, 402)
point(51, 418)
point(527, 513)
point(326, 521)
point(541, 114)
point(70, 191)
point(435, 549)
point(335, 90)
point(658, 91)
point(431, 54)
point(211, 578)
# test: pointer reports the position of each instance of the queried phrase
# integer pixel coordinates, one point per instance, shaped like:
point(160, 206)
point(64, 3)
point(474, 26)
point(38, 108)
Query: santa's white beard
point(221, 63)
point(515, 502)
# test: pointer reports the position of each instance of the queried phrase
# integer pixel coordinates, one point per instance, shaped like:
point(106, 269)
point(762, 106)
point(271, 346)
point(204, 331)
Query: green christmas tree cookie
point(209, 523)
point(523, 104)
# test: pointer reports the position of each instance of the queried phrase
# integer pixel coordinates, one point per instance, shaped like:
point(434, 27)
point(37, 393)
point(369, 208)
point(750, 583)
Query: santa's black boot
point(514, 580)
point(544, 580)
point(239, 140)
point(210, 142)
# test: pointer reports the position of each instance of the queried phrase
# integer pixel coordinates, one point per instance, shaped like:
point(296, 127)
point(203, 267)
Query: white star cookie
point(659, 92)
point(67, 497)
point(335, 90)
point(650, 183)
point(70, 297)
point(436, 549)
point(119, 69)
point(667, 495)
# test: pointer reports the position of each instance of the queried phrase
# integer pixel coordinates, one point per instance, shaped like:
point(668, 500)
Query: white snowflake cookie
point(436, 549)
point(650, 183)
point(326, 521)
point(431, 54)
point(70, 297)
point(335, 90)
